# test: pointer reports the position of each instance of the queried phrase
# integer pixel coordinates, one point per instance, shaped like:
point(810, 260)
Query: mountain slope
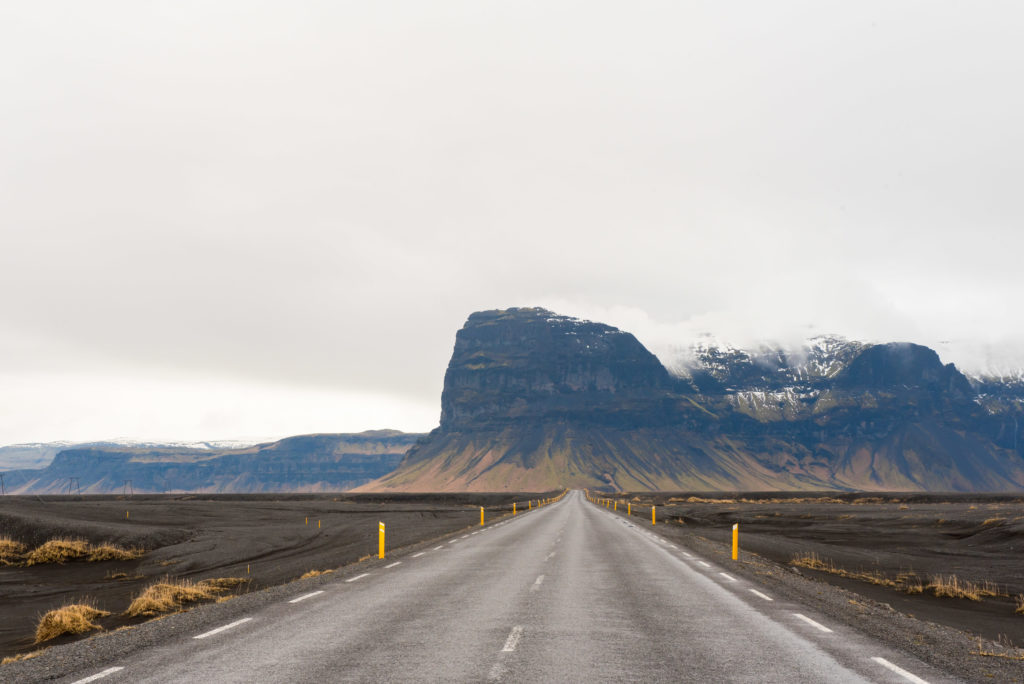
point(536, 400)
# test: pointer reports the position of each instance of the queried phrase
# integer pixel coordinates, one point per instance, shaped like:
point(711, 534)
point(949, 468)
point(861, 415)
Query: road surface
point(566, 593)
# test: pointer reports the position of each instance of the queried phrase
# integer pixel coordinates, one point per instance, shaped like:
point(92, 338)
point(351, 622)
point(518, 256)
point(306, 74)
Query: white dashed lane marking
point(358, 577)
point(438, 548)
point(536, 585)
point(392, 565)
point(812, 623)
point(306, 596)
point(513, 639)
point(222, 628)
point(728, 577)
point(909, 676)
point(706, 565)
point(417, 555)
point(99, 675)
point(755, 592)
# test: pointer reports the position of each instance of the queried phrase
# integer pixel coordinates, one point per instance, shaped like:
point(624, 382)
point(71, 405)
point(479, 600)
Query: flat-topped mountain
point(306, 463)
point(534, 400)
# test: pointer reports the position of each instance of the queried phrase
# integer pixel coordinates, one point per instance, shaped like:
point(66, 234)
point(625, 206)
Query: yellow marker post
point(654, 519)
point(513, 508)
point(126, 516)
point(629, 508)
point(307, 519)
point(481, 515)
point(736, 541)
point(318, 524)
point(380, 541)
point(616, 506)
point(530, 504)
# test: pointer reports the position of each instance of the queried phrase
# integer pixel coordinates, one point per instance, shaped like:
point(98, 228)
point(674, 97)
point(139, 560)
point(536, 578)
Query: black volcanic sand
point(976, 538)
point(262, 537)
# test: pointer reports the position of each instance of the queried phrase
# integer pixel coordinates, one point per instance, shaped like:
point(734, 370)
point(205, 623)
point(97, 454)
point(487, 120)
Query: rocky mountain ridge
point(535, 399)
point(306, 463)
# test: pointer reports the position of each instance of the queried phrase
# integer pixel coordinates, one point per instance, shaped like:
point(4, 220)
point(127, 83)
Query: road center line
point(909, 676)
point(513, 639)
point(706, 565)
point(812, 623)
point(755, 592)
point(99, 675)
point(465, 536)
point(688, 555)
point(358, 577)
point(222, 628)
point(392, 565)
point(417, 555)
point(453, 541)
point(536, 585)
point(438, 548)
point(306, 596)
point(728, 577)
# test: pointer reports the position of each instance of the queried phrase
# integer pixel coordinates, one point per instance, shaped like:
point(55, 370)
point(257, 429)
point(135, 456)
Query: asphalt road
point(569, 592)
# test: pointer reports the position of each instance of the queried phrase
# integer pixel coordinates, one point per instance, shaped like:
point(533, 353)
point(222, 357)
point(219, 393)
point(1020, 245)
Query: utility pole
point(3, 490)
point(73, 482)
point(127, 489)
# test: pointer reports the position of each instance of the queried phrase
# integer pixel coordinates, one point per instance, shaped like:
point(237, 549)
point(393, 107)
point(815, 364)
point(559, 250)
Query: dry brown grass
point(62, 550)
point(952, 586)
point(1020, 604)
point(23, 656)
point(104, 552)
point(58, 551)
point(993, 521)
point(316, 573)
point(11, 551)
point(906, 581)
point(74, 618)
point(169, 596)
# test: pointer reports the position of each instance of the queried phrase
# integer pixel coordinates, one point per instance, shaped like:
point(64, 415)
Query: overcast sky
point(255, 219)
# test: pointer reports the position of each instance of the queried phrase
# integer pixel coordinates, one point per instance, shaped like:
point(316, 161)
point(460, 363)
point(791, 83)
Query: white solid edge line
point(99, 675)
point(417, 555)
point(812, 623)
point(306, 596)
point(513, 639)
point(909, 676)
point(728, 577)
point(358, 577)
point(764, 596)
point(706, 565)
point(221, 628)
point(392, 565)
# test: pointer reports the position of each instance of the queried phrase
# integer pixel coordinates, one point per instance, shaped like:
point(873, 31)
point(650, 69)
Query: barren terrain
point(883, 544)
point(266, 539)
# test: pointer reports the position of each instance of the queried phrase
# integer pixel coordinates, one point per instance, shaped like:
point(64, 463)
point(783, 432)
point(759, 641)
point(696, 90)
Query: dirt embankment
point(266, 539)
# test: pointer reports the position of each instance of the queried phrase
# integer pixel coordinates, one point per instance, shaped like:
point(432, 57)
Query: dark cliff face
point(536, 400)
point(528, 364)
point(903, 366)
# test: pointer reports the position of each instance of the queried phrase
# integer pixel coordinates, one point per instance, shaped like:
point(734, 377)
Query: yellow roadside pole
point(654, 520)
point(513, 508)
point(736, 541)
point(380, 541)
point(629, 508)
point(481, 515)
point(615, 507)
point(127, 516)
point(530, 504)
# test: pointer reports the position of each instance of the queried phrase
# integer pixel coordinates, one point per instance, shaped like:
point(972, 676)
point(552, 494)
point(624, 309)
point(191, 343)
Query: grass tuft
point(58, 551)
point(105, 552)
point(316, 573)
point(23, 656)
point(169, 596)
point(1020, 604)
point(11, 551)
point(71, 619)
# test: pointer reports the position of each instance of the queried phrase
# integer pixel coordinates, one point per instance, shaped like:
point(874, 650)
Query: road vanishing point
point(568, 592)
